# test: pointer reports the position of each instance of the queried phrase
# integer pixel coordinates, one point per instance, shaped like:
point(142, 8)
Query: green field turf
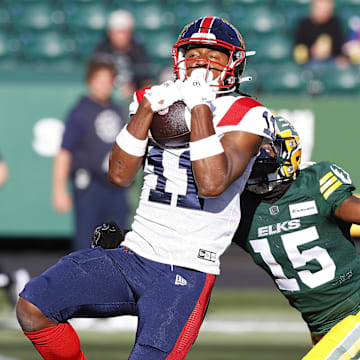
point(247, 325)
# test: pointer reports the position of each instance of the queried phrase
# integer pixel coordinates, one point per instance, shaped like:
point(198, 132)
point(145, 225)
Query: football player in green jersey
point(296, 225)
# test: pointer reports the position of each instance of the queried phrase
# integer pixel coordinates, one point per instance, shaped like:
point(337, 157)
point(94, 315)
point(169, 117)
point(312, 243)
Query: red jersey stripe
point(206, 24)
point(237, 111)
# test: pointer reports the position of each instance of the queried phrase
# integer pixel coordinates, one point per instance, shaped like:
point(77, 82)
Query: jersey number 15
point(297, 258)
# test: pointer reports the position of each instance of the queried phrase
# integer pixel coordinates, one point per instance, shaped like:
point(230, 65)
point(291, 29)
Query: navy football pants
point(170, 302)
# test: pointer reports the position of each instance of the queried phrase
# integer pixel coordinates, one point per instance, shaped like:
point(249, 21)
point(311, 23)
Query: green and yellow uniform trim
point(342, 342)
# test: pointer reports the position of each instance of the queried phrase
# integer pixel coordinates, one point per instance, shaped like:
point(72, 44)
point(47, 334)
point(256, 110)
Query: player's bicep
point(240, 147)
point(349, 210)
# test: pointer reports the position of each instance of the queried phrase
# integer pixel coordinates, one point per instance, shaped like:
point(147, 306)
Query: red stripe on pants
point(192, 326)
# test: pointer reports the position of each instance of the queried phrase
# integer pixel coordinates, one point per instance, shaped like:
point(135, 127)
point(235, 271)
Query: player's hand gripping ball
point(108, 236)
point(170, 127)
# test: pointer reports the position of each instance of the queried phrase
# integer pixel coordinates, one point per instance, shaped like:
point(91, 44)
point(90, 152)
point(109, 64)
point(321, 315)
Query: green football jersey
point(306, 250)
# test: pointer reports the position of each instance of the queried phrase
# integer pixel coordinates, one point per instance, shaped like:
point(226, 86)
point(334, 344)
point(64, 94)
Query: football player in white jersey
point(188, 211)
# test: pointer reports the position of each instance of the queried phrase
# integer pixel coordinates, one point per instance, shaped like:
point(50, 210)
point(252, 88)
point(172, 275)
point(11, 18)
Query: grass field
point(240, 324)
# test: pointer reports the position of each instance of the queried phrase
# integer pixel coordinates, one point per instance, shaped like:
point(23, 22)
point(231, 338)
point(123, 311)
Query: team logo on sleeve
point(341, 174)
point(333, 180)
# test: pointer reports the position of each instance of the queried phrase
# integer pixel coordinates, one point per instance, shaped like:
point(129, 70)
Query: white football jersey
point(173, 223)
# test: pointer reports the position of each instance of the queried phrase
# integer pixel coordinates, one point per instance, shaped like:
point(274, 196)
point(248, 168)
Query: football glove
point(162, 96)
point(108, 236)
point(195, 90)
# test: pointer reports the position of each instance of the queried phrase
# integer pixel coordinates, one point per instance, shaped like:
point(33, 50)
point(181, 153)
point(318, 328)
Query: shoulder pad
point(238, 110)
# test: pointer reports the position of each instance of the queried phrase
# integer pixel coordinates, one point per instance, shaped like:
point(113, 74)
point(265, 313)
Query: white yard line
point(212, 325)
point(128, 323)
point(241, 327)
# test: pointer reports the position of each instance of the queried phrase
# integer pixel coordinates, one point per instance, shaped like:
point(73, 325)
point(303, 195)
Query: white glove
point(162, 96)
point(195, 90)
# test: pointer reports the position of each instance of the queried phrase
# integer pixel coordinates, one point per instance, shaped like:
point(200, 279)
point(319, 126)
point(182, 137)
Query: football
point(170, 128)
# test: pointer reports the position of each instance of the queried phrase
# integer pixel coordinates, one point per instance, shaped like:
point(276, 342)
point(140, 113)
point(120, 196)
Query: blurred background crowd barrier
point(44, 45)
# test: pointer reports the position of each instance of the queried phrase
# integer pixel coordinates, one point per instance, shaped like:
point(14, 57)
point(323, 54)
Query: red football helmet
point(217, 33)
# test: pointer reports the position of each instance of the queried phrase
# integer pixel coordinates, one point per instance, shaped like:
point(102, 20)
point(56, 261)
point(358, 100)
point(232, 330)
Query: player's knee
point(30, 317)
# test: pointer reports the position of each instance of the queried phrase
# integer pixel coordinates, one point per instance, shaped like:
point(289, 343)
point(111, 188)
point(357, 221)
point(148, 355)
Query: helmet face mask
point(217, 34)
point(279, 165)
point(264, 174)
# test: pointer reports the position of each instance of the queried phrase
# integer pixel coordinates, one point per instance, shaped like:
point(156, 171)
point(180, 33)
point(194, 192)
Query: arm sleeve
point(335, 184)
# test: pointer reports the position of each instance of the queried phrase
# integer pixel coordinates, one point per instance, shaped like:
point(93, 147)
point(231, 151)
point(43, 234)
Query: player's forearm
point(201, 123)
point(127, 154)
point(349, 210)
point(209, 163)
point(61, 170)
point(123, 167)
point(140, 122)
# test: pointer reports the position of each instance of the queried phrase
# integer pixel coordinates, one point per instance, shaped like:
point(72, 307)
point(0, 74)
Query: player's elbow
point(119, 180)
point(211, 190)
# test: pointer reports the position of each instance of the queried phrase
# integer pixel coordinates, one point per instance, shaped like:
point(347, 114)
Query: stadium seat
point(245, 3)
point(285, 80)
point(85, 16)
point(339, 81)
point(258, 19)
point(129, 5)
point(35, 16)
point(272, 48)
point(153, 17)
point(187, 12)
point(101, 2)
point(340, 3)
point(4, 17)
point(119, 4)
point(47, 47)
point(85, 44)
point(299, 4)
point(293, 11)
point(350, 18)
point(190, 2)
point(159, 44)
point(9, 47)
